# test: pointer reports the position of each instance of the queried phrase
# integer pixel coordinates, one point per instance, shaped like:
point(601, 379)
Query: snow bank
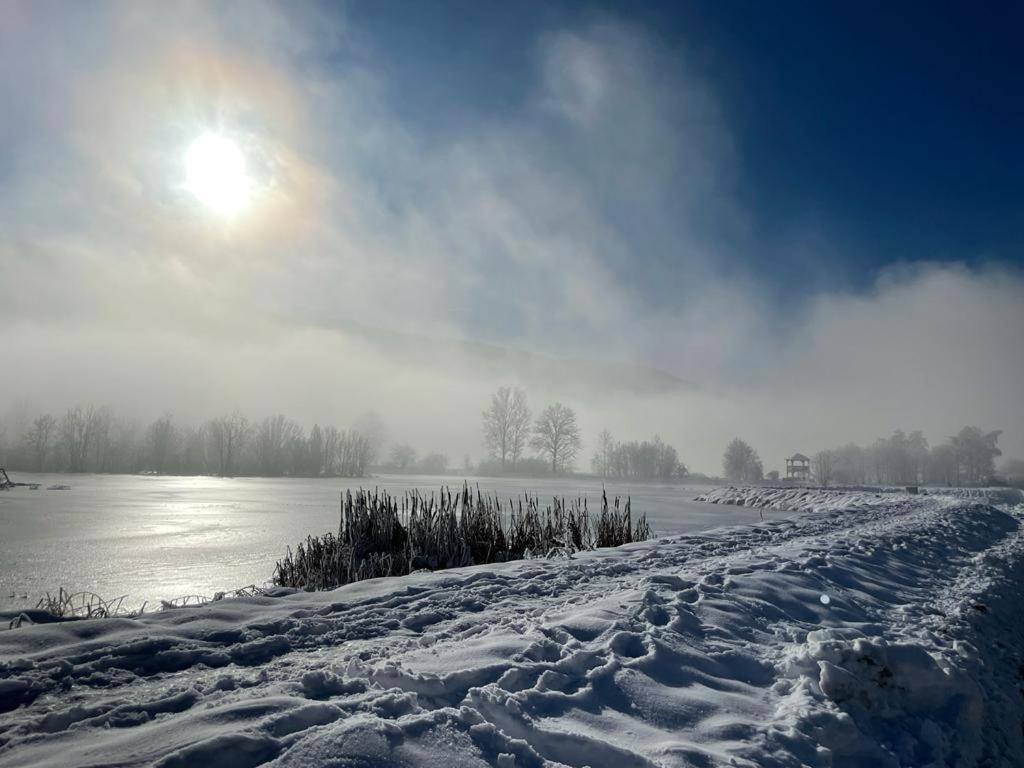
point(1003, 496)
point(801, 499)
point(886, 633)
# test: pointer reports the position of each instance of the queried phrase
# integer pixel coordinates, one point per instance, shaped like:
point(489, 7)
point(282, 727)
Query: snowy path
point(693, 650)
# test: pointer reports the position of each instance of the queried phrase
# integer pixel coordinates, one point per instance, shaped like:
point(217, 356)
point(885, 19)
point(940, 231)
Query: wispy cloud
point(596, 219)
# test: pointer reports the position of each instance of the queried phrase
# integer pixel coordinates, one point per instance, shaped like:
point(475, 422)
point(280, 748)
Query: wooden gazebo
point(798, 468)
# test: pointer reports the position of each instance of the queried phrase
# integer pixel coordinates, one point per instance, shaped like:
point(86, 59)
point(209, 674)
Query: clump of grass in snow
point(83, 605)
point(88, 605)
point(382, 535)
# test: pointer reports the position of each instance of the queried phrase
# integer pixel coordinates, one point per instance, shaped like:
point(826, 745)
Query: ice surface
point(158, 538)
point(690, 650)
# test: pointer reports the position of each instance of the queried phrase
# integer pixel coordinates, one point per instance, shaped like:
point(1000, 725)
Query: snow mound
point(885, 633)
point(801, 499)
point(1003, 496)
point(894, 704)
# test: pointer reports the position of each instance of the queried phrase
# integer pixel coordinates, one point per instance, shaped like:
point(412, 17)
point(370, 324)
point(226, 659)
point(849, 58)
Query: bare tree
point(645, 460)
point(40, 438)
point(125, 441)
point(433, 464)
point(371, 426)
point(917, 448)
point(227, 437)
point(403, 457)
point(851, 464)
point(900, 459)
point(506, 425)
point(976, 452)
point(519, 425)
point(160, 439)
point(101, 421)
point(557, 435)
point(496, 425)
point(741, 463)
point(943, 465)
point(824, 466)
point(332, 442)
point(76, 437)
point(273, 436)
point(315, 452)
point(603, 456)
point(1012, 472)
point(355, 451)
point(194, 458)
point(216, 433)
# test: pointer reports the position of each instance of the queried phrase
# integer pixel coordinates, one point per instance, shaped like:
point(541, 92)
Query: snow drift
point(806, 499)
point(866, 633)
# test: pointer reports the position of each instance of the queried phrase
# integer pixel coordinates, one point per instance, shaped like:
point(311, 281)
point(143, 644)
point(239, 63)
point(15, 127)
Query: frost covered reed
point(384, 535)
point(66, 604)
point(82, 605)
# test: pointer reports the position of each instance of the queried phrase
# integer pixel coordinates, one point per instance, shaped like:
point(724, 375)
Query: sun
point(215, 173)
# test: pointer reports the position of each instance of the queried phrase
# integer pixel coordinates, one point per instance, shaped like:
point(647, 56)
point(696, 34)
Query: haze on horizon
point(326, 209)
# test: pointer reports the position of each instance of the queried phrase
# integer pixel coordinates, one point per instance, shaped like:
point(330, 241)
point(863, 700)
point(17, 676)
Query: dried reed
point(382, 535)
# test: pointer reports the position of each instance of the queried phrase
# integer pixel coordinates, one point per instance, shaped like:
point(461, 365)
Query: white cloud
point(581, 225)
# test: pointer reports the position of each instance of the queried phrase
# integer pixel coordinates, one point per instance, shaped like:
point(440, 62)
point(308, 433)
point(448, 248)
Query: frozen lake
point(164, 537)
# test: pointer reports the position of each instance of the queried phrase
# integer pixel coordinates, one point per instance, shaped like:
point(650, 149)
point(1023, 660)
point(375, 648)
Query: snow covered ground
point(807, 499)
point(875, 630)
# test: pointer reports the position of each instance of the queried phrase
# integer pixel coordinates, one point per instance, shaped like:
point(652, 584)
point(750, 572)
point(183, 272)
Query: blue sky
point(865, 133)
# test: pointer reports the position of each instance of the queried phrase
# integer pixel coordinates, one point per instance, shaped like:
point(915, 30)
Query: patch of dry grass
point(384, 535)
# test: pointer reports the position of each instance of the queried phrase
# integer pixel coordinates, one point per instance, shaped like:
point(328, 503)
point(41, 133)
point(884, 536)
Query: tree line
point(404, 458)
point(91, 439)
point(632, 460)
point(96, 439)
point(966, 458)
point(509, 430)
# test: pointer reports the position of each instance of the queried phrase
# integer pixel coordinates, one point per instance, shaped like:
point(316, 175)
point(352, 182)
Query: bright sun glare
point(215, 173)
